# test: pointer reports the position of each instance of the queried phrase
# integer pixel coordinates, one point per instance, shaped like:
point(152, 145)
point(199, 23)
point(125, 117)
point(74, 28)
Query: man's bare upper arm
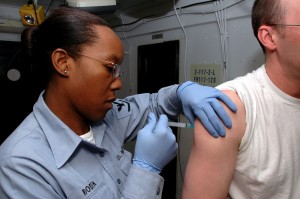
point(212, 160)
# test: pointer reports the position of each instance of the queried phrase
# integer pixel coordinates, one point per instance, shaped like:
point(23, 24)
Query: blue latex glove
point(155, 145)
point(202, 101)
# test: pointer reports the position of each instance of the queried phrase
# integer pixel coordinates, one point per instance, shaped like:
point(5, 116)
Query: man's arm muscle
point(212, 160)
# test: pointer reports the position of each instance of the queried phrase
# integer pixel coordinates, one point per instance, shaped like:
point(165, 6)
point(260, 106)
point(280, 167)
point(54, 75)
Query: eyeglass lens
point(117, 71)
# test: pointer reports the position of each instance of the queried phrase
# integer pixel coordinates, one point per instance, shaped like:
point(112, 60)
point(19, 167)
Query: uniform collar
point(62, 140)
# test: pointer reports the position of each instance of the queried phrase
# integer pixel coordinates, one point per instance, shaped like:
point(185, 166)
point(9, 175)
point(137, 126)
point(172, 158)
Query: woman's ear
point(266, 37)
point(60, 61)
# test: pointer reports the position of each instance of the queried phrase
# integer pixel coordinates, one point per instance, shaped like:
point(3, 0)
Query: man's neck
point(285, 80)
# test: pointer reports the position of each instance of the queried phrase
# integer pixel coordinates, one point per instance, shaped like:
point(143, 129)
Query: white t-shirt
point(268, 162)
point(89, 136)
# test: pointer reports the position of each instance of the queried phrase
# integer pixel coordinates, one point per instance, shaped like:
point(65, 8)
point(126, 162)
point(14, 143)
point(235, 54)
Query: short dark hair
point(266, 12)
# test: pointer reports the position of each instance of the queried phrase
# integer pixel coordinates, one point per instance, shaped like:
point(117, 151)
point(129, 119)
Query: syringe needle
point(180, 125)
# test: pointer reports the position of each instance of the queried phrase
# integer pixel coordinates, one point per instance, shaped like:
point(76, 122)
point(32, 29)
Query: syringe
point(180, 125)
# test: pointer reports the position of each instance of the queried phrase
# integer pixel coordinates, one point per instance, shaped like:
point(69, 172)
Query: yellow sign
point(206, 74)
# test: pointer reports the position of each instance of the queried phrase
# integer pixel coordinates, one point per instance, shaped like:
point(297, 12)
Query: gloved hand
point(202, 101)
point(155, 145)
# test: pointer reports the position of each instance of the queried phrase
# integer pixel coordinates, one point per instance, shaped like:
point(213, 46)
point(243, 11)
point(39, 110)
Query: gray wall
point(200, 44)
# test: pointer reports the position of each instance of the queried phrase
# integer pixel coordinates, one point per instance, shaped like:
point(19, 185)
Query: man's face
point(288, 42)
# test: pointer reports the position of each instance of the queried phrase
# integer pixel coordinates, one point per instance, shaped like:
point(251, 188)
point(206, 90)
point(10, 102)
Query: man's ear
point(60, 61)
point(266, 37)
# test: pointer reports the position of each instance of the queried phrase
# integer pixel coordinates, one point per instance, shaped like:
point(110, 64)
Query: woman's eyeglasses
point(116, 68)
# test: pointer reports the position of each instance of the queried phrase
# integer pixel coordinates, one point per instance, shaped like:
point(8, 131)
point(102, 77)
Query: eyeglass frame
point(116, 68)
point(281, 24)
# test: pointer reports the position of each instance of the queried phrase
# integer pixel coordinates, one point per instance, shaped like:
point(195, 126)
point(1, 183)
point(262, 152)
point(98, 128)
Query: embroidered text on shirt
point(89, 187)
point(120, 105)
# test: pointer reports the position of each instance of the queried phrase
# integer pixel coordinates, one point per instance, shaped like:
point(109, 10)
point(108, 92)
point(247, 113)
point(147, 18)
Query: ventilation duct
point(94, 6)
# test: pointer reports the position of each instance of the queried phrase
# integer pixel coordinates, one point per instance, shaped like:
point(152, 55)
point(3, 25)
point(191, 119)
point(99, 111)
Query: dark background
point(158, 66)
point(16, 97)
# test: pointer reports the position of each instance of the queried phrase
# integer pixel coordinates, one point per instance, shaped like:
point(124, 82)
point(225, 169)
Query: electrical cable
point(185, 79)
point(188, 9)
point(221, 16)
point(211, 8)
point(34, 3)
point(48, 7)
point(129, 53)
point(37, 20)
point(131, 23)
point(199, 3)
point(186, 41)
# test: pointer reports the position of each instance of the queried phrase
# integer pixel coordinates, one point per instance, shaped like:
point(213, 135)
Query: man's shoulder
point(238, 119)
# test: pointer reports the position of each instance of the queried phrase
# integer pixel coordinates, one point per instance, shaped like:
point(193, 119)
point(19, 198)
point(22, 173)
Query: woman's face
point(92, 85)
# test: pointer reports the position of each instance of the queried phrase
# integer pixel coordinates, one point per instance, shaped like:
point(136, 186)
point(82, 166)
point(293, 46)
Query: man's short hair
point(266, 12)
